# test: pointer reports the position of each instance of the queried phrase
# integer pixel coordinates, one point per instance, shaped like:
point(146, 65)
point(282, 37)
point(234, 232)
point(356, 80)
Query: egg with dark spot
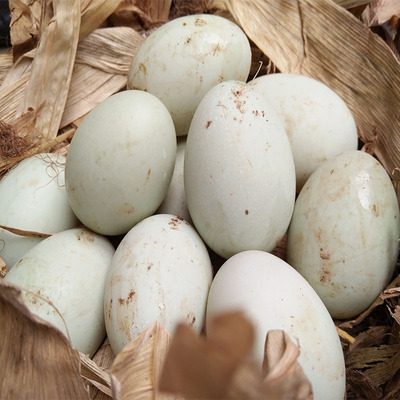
point(275, 296)
point(161, 272)
point(344, 234)
point(239, 173)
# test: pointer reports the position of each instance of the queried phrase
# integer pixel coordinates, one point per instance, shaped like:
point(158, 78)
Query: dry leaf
point(380, 11)
point(199, 368)
point(94, 13)
point(95, 375)
point(137, 368)
point(142, 15)
point(38, 360)
point(6, 62)
point(320, 39)
point(25, 233)
point(102, 63)
point(351, 3)
point(52, 67)
point(24, 25)
point(219, 367)
point(284, 377)
point(379, 363)
point(103, 360)
point(359, 387)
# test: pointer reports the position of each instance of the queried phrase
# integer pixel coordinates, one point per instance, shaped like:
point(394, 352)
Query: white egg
point(175, 201)
point(273, 295)
point(238, 171)
point(120, 162)
point(317, 121)
point(161, 271)
point(62, 281)
point(345, 230)
point(186, 57)
point(33, 198)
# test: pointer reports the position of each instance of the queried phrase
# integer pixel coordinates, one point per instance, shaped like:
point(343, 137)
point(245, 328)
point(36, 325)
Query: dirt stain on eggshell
point(126, 208)
point(216, 49)
point(147, 176)
point(85, 236)
point(143, 68)
point(200, 22)
point(239, 101)
point(130, 296)
point(191, 319)
point(175, 222)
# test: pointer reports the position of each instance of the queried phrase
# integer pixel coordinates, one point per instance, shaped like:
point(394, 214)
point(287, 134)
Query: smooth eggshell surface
point(186, 57)
point(273, 295)
point(161, 272)
point(344, 234)
point(317, 121)
point(175, 200)
point(238, 171)
point(33, 198)
point(69, 270)
point(120, 162)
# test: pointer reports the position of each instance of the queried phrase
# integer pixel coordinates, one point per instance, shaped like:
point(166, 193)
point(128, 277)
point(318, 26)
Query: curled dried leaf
point(220, 367)
point(203, 368)
point(40, 361)
point(137, 368)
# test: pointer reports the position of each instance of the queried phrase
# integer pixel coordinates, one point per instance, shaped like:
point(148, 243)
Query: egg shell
point(120, 162)
point(69, 270)
point(175, 201)
point(273, 295)
point(344, 234)
point(161, 271)
point(317, 121)
point(186, 57)
point(33, 198)
point(238, 171)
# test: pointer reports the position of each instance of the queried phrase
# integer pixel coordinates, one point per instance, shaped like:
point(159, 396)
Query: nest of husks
point(66, 57)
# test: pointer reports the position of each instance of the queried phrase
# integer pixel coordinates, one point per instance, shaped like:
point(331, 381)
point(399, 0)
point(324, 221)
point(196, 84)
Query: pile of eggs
point(193, 159)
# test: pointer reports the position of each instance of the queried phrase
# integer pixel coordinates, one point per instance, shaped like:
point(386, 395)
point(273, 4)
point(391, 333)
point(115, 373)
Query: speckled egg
point(344, 234)
point(273, 295)
point(187, 56)
point(238, 171)
point(162, 272)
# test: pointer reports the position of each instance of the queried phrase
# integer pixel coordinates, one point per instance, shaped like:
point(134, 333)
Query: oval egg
point(162, 272)
point(273, 295)
point(65, 274)
point(33, 198)
point(317, 121)
point(238, 171)
point(175, 200)
point(344, 234)
point(120, 162)
point(187, 56)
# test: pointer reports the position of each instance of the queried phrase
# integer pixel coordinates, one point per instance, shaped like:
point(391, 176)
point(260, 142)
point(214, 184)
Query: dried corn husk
point(137, 368)
point(219, 367)
point(48, 84)
point(38, 360)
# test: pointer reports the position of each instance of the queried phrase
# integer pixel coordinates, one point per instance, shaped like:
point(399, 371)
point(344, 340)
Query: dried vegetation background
point(66, 57)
